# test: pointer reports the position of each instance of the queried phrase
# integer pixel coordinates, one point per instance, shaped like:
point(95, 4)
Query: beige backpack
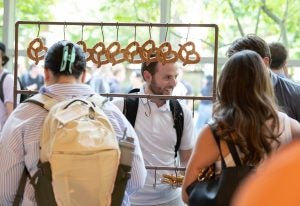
point(79, 154)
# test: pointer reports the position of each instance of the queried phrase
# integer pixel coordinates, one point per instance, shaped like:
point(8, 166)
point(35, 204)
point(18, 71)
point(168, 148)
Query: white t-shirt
point(154, 127)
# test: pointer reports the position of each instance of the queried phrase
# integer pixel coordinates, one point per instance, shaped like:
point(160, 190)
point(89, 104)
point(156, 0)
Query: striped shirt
point(19, 144)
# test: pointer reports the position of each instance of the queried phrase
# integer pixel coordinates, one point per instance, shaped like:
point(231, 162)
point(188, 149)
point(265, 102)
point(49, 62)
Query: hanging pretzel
point(96, 53)
point(165, 53)
point(36, 50)
point(131, 51)
point(188, 54)
point(82, 44)
point(112, 51)
point(147, 50)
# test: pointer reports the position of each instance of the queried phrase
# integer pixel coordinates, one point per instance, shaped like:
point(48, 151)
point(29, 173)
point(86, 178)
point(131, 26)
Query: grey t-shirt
point(288, 95)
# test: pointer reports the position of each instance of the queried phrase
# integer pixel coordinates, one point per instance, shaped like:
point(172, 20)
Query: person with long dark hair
point(245, 110)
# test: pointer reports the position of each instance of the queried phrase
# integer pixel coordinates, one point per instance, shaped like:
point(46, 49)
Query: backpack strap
point(21, 188)
point(1, 86)
point(45, 102)
point(130, 108)
point(178, 118)
point(42, 100)
point(131, 105)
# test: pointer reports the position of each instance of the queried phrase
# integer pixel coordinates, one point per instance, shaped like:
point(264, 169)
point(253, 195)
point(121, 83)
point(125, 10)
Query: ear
point(147, 76)
point(267, 62)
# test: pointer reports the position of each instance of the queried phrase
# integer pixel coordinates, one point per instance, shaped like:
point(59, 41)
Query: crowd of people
point(256, 107)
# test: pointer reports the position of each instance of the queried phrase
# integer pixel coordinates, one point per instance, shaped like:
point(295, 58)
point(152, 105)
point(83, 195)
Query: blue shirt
point(19, 144)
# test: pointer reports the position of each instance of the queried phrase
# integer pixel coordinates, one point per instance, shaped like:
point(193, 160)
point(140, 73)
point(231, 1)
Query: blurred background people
point(279, 55)
point(118, 76)
point(205, 106)
point(136, 80)
point(33, 79)
point(7, 87)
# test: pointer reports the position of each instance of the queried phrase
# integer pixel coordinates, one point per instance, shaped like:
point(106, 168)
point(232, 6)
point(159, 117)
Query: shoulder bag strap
point(234, 153)
point(217, 139)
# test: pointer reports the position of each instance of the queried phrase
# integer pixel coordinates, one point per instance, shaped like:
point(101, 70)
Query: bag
point(217, 190)
point(23, 96)
point(131, 105)
point(79, 154)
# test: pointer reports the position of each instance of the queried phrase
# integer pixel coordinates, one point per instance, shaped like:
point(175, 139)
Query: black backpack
point(23, 96)
point(131, 107)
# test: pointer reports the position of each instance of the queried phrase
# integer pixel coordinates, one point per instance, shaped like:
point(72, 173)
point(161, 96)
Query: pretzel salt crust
point(96, 53)
point(188, 54)
point(146, 50)
point(131, 51)
point(112, 51)
point(165, 53)
point(36, 50)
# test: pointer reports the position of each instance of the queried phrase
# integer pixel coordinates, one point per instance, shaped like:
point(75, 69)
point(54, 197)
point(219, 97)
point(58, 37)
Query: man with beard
point(154, 126)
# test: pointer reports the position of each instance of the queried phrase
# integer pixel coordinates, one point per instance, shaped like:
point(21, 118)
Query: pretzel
point(146, 52)
point(36, 50)
point(111, 53)
point(82, 44)
point(185, 54)
point(96, 53)
point(172, 179)
point(129, 54)
point(165, 53)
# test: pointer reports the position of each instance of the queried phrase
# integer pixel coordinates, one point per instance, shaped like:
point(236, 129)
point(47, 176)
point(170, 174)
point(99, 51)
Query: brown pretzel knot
point(36, 50)
point(188, 54)
point(165, 53)
point(96, 53)
point(112, 51)
point(82, 44)
point(148, 49)
point(131, 51)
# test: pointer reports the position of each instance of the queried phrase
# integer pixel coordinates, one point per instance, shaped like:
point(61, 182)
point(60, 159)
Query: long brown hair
point(245, 101)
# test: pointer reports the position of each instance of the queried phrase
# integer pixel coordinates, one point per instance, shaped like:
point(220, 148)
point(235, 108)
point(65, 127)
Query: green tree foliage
point(32, 10)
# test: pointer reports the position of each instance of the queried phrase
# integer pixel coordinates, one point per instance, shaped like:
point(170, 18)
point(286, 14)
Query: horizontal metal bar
point(165, 168)
point(114, 24)
point(147, 96)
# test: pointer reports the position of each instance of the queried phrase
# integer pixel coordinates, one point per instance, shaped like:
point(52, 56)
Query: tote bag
point(217, 190)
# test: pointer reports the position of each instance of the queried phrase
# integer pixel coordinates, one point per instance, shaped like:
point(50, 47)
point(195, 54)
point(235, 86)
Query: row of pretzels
point(134, 53)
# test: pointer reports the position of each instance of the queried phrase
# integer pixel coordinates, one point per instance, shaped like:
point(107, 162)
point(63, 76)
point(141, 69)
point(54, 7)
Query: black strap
point(1, 86)
point(234, 153)
point(130, 111)
point(21, 188)
point(217, 139)
point(130, 108)
point(178, 118)
point(231, 147)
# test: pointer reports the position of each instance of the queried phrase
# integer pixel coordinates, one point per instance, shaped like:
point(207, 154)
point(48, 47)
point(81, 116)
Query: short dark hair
point(279, 55)
point(150, 67)
point(5, 58)
point(54, 58)
point(250, 42)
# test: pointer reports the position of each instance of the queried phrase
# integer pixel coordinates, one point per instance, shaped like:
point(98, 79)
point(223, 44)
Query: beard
point(158, 90)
